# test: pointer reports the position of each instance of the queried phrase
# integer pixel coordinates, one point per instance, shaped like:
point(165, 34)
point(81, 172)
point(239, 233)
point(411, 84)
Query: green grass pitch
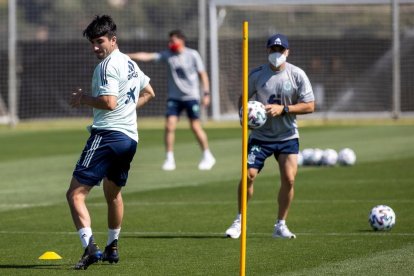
point(175, 221)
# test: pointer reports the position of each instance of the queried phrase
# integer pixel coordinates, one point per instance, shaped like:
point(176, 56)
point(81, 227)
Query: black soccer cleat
point(111, 253)
point(91, 255)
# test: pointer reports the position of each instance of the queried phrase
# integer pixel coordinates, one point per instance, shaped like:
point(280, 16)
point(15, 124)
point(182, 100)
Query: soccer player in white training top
point(119, 87)
point(285, 90)
point(186, 70)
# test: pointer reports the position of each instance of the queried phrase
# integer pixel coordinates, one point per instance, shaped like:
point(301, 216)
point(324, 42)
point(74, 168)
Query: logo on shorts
point(196, 108)
point(171, 104)
point(251, 158)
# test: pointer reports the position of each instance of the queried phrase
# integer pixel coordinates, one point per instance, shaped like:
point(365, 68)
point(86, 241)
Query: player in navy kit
point(118, 88)
point(286, 91)
point(185, 73)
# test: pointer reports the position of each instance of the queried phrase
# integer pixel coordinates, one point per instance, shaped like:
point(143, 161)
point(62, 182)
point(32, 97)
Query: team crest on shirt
point(287, 86)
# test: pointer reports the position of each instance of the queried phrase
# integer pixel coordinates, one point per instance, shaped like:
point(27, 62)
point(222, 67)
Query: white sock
point(281, 222)
point(207, 154)
point(238, 217)
point(170, 155)
point(84, 235)
point(113, 234)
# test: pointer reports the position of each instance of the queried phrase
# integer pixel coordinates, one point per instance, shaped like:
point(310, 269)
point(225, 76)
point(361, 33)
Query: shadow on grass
point(34, 266)
point(373, 232)
point(175, 236)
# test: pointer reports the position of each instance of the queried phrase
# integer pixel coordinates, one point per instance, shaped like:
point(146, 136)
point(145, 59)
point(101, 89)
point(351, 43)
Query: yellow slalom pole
point(244, 149)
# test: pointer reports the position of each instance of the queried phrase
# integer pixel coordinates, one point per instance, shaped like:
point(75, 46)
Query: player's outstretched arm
point(145, 95)
point(143, 56)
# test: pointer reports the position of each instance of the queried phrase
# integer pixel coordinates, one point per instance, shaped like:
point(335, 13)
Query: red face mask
point(174, 47)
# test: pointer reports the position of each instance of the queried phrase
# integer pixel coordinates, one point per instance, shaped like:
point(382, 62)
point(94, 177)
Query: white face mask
point(277, 59)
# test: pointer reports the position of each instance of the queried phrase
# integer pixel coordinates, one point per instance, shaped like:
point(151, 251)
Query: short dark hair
point(177, 33)
point(100, 26)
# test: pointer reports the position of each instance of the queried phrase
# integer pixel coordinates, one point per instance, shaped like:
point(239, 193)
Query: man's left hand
point(274, 110)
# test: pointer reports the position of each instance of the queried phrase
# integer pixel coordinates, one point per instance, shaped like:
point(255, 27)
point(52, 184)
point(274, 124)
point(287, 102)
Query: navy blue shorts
point(175, 107)
point(259, 151)
point(108, 154)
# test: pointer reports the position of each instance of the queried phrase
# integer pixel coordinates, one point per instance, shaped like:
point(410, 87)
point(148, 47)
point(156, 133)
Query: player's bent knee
point(289, 183)
point(251, 178)
point(69, 195)
point(169, 129)
point(74, 195)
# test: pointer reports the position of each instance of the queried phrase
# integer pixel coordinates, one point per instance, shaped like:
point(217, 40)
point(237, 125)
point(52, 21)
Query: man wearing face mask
point(185, 72)
point(286, 91)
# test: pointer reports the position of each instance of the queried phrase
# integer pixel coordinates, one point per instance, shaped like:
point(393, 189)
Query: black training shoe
point(91, 255)
point(111, 253)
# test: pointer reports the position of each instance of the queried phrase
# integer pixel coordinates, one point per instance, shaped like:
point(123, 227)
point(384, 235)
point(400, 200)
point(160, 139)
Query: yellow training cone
point(50, 255)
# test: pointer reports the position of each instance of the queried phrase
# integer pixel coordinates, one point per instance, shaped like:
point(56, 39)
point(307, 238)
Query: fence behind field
point(347, 50)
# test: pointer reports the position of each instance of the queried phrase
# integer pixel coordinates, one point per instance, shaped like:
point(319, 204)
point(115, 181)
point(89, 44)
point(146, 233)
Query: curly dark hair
point(101, 25)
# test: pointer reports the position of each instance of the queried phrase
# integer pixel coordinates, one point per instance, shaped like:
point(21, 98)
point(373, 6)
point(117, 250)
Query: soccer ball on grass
point(316, 158)
point(382, 218)
point(256, 116)
point(346, 157)
point(307, 156)
point(329, 157)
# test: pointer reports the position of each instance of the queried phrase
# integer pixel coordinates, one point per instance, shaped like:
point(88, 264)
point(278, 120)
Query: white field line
point(207, 234)
point(12, 206)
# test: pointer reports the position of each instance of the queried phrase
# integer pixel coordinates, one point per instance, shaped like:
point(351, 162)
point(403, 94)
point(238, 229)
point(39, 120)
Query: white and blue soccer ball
point(307, 156)
point(311, 157)
point(346, 157)
point(256, 116)
point(329, 157)
point(316, 158)
point(382, 218)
